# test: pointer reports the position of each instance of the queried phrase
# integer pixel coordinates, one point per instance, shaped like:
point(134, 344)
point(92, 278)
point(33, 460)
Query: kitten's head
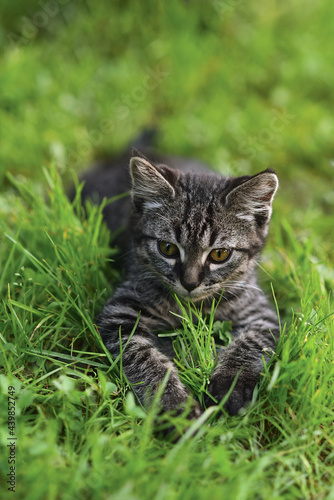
point(199, 234)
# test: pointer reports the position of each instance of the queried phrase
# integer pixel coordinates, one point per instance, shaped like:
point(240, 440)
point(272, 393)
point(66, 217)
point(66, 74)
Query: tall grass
point(80, 431)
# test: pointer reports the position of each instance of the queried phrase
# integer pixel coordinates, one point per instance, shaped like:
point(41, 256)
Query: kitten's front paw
point(189, 406)
point(221, 382)
point(195, 411)
point(166, 425)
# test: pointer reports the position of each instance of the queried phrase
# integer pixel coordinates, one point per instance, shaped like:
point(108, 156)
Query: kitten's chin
point(194, 295)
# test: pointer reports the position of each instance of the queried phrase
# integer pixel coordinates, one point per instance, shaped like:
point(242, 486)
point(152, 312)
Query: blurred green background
point(242, 85)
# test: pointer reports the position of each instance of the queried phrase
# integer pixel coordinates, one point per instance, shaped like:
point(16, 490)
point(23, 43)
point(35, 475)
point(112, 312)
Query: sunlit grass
point(75, 411)
point(242, 86)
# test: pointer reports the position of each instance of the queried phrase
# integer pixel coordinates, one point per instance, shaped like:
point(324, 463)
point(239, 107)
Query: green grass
point(196, 345)
point(76, 88)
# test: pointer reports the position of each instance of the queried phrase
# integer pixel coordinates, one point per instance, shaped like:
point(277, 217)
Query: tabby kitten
point(192, 233)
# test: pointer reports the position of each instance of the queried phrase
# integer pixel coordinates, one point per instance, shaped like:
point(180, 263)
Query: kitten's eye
point(219, 254)
point(168, 249)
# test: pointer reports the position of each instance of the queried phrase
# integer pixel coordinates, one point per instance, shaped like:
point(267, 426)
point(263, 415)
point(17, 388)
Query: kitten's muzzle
point(191, 277)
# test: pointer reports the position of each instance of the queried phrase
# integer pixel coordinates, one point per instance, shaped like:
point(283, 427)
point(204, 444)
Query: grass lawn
point(241, 85)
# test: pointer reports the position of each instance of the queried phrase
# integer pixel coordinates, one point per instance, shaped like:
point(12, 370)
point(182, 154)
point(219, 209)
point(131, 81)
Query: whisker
point(219, 294)
point(244, 284)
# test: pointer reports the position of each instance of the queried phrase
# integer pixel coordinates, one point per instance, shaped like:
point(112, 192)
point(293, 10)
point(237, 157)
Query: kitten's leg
point(143, 363)
point(257, 331)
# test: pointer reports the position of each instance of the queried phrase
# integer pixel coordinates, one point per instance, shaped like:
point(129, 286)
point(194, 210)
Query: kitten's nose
point(189, 286)
point(190, 277)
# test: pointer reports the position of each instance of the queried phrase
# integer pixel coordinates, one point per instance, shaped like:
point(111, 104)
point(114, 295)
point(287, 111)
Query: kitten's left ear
point(148, 183)
point(252, 199)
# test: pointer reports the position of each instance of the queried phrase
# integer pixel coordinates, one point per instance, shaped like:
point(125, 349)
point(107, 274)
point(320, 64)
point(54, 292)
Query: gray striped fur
point(198, 211)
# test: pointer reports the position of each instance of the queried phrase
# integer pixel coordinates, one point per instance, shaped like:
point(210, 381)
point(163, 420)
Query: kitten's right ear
point(148, 184)
point(252, 198)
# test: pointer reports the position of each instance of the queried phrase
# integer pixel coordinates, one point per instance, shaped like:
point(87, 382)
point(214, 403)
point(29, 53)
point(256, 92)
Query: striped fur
point(198, 212)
